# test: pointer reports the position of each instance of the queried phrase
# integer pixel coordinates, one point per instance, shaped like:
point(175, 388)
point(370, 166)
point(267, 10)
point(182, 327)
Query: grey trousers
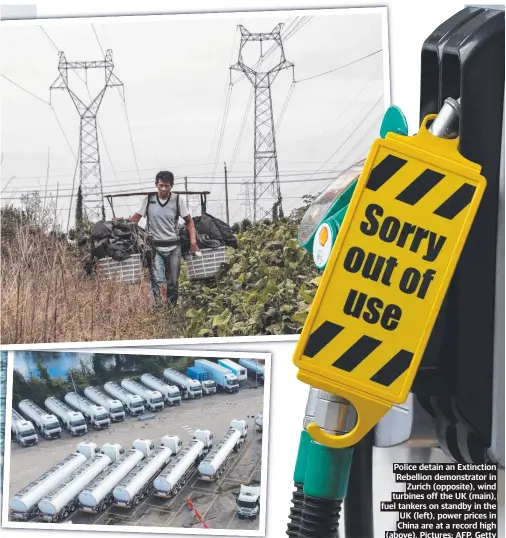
point(165, 270)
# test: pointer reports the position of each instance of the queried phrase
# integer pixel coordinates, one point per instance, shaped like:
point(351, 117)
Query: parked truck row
point(92, 479)
point(98, 408)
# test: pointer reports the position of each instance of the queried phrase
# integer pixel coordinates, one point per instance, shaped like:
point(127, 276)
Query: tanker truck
point(97, 495)
point(46, 424)
point(133, 403)
point(170, 393)
point(153, 399)
point(259, 422)
point(138, 483)
point(215, 463)
point(173, 477)
point(61, 501)
point(224, 378)
point(254, 367)
point(24, 504)
point(23, 431)
point(190, 388)
point(96, 415)
point(112, 406)
point(248, 502)
point(73, 421)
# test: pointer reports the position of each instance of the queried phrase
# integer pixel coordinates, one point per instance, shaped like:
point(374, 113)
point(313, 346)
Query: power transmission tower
point(90, 173)
point(266, 173)
point(246, 197)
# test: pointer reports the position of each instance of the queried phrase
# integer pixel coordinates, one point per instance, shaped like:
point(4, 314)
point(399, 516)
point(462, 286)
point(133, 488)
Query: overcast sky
point(175, 74)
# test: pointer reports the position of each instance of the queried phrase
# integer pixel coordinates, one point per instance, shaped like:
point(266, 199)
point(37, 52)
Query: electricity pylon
point(90, 173)
point(266, 173)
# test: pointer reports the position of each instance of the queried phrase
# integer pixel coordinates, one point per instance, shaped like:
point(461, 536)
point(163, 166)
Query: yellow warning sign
point(389, 270)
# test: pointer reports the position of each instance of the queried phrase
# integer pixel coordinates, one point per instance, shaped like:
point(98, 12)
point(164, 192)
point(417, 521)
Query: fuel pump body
point(464, 57)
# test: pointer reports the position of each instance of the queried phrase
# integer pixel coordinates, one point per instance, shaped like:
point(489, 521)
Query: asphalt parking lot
point(214, 501)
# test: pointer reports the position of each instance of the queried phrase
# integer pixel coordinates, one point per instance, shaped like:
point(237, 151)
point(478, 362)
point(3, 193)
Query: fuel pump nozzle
point(446, 123)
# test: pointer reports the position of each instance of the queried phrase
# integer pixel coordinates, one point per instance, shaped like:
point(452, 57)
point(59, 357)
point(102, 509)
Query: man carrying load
point(162, 212)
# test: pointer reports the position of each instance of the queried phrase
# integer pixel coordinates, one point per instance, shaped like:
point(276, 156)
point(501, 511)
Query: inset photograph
point(153, 442)
point(156, 170)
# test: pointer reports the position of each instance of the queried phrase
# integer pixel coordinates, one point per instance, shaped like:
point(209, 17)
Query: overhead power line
point(340, 67)
point(25, 90)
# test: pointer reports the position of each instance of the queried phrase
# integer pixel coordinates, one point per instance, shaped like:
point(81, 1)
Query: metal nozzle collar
point(310, 407)
point(334, 414)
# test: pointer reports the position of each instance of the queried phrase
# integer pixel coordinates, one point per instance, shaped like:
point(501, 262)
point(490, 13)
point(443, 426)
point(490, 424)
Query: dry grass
point(46, 297)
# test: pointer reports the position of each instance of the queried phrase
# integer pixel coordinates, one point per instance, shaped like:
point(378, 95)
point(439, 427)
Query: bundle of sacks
point(118, 240)
point(211, 233)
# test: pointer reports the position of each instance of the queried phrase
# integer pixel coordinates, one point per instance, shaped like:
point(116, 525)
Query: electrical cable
point(341, 66)
point(351, 121)
point(241, 132)
point(284, 107)
point(25, 90)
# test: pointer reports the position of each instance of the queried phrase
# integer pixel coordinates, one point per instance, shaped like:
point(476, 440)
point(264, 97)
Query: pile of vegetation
point(266, 288)
point(40, 385)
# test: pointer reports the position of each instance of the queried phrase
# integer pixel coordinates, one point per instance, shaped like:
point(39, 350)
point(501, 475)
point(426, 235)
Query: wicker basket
point(207, 265)
point(128, 271)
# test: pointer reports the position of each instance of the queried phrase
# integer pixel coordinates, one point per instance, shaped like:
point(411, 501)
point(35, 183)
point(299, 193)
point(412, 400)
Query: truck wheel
point(65, 514)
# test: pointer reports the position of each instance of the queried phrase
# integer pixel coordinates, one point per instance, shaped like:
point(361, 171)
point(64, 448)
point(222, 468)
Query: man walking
point(162, 212)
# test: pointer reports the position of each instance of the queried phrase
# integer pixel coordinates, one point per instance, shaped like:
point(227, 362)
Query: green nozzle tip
point(394, 121)
point(327, 471)
point(300, 464)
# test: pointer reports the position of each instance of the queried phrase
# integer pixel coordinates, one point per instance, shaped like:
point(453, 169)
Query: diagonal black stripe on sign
point(456, 203)
point(325, 333)
point(424, 183)
point(357, 353)
point(383, 171)
point(394, 369)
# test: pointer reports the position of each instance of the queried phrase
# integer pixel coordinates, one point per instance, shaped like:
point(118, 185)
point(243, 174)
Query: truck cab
point(50, 427)
point(248, 502)
point(24, 433)
point(99, 417)
point(113, 450)
point(231, 382)
point(173, 395)
point(240, 425)
point(116, 411)
point(77, 423)
point(206, 437)
point(145, 446)
point(173, 442)
point(208, 387)
point(195, 389)
point(88, 449)
point(135, 405)
point(154, 400)
point(259, 422)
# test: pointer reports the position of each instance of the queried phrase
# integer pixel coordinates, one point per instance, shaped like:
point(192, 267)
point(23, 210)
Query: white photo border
point(334, 11)
point(139, 529)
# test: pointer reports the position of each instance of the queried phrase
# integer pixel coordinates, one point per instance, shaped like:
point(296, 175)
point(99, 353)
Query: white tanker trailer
point(137, 484)
point(170, 481)
point(97, 495)
point(170, 393)
point(61, 501)
point(23, 505)
point(215, 463)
